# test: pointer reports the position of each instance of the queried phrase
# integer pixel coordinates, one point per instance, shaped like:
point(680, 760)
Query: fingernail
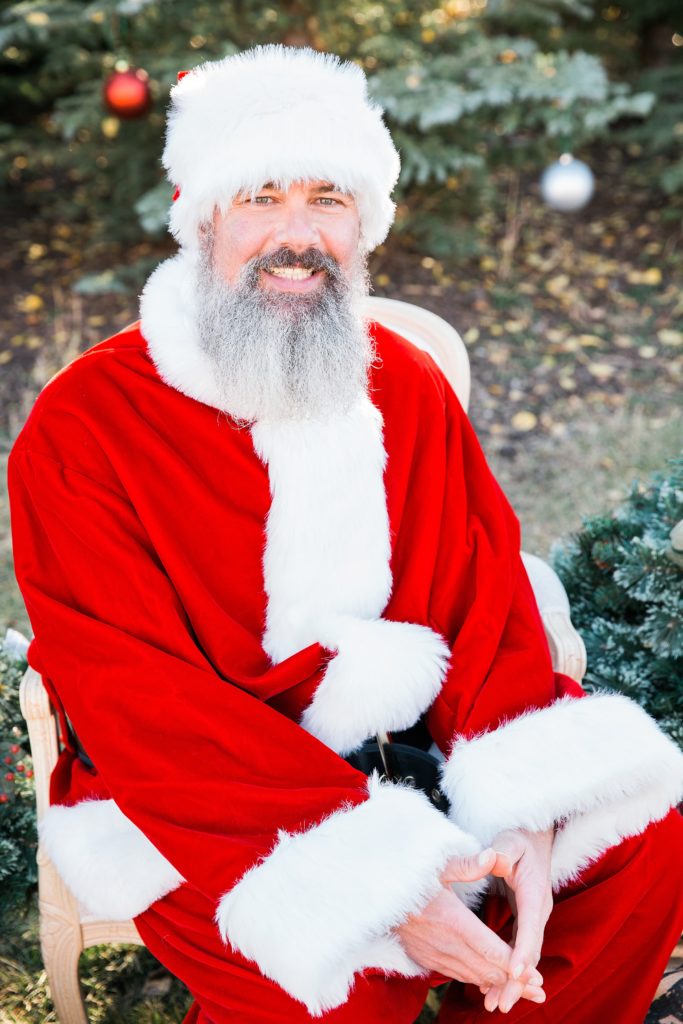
point(517, 971)
point(484, 856)
point(540, 998)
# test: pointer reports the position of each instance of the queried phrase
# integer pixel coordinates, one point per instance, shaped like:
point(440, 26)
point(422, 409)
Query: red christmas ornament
point(9, 777)
point(14, 748)
point(3, 798)
point(127, 93)
point(29, 774)
point(8, 759)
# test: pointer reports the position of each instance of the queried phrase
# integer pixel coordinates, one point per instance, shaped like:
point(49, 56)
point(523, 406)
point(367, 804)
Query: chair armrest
point(33, 698)
point(567, 649)
point(42, 734)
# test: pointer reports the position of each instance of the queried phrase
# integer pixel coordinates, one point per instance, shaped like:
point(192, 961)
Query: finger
point(466, 970)
point(509, 848)
point(469, 869)
point(482, 942)
point(504, 997)
point(508, 995)
point(530, 928)
point(503, 864)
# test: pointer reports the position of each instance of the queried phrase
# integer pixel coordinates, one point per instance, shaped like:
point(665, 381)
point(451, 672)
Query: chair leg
point(61, 945)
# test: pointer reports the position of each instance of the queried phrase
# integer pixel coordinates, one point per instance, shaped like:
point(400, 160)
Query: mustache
point(309, 259)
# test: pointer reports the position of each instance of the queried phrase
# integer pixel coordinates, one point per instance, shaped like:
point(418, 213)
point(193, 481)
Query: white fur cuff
point(109, 865)
point(599, 765)
point(384, 676)
point(322, 905)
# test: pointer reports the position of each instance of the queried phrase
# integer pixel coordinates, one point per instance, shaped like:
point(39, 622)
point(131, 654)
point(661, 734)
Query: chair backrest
point(429, 332)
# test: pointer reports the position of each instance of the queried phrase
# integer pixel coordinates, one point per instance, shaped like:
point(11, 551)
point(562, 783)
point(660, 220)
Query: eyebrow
point(328, 186)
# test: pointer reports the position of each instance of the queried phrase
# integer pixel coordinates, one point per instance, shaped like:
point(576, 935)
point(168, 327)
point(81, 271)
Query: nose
point(296, 228)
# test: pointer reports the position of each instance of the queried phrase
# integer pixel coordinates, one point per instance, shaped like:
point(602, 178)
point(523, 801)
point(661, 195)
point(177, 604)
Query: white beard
point(279, 355)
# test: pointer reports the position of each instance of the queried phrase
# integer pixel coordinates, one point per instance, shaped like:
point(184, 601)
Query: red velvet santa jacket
point(223, 612)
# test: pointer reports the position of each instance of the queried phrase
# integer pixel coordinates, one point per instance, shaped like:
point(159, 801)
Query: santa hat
point(282, 114)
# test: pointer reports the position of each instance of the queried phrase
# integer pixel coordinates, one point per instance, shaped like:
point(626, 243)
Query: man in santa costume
point(253, 531)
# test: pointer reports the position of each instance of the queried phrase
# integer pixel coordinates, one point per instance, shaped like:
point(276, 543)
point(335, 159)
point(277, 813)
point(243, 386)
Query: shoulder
point(60, 423)
point(401, 362)
point(406, 379)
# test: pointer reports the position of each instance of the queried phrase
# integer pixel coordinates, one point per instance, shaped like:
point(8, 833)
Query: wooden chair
point(66, 927)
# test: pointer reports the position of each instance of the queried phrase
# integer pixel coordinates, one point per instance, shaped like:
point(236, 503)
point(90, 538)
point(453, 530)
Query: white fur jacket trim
point(328, 578)
point(323, 903)
point(105, 860)
point(599, 766)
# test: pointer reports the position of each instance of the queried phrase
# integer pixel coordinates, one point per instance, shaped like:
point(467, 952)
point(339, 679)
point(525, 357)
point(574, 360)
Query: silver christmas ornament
point(568, 184)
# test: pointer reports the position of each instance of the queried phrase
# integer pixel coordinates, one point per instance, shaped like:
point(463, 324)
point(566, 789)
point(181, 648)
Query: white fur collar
point(168, 325)
point(328, 578)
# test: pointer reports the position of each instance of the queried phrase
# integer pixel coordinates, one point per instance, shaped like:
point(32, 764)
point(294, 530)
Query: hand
point(449, 938)
point(523, 863)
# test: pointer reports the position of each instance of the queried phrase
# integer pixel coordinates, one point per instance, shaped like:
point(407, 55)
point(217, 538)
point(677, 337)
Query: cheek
point(234, 244)
point(344, 242)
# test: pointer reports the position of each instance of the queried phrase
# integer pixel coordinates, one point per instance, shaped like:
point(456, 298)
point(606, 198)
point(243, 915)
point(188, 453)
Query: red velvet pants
point(606, 945)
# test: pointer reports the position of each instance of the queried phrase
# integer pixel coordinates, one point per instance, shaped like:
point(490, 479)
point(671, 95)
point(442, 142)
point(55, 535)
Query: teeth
point(293, 273)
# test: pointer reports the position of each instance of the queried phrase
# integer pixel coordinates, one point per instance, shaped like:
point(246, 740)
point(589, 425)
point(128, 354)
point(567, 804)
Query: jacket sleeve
point(526, 747)
point(309, 865)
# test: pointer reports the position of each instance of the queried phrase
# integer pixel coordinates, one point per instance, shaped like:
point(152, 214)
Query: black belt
point(404, 759)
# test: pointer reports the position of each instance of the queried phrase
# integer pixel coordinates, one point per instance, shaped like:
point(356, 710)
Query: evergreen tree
point(18, 838)
point(623, 574)
point(462, 98)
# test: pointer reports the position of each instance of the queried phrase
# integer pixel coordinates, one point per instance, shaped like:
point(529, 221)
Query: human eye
point(329, 199)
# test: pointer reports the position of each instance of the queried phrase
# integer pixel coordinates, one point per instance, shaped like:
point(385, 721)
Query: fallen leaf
point(556, 286)
point(524, 420)
point(651, 276)
point(600, 370)
point(670, 337)
point(30, 303)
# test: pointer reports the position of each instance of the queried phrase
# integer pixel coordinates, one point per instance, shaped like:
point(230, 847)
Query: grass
point(120, 983)
point(558, 484)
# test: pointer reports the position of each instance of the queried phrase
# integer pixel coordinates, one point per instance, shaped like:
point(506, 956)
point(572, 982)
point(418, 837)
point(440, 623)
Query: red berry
point(29, 774)
point(9, 777)
point(8, 759)
point(3, 798)
point(14, 748)
point(20, 767)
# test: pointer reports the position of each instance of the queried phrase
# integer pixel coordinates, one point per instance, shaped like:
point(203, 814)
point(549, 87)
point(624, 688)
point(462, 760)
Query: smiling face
point(281, 288)
point(297, 237)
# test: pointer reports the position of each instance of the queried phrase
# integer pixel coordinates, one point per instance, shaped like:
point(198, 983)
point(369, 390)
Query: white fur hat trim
point(282, 114)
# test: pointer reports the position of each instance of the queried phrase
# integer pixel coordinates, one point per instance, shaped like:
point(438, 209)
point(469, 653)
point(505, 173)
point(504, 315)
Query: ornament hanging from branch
point(126, 92)
point(568, 184)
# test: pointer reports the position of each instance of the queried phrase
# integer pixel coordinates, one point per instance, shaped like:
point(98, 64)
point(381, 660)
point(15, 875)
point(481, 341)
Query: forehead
point(309, 185)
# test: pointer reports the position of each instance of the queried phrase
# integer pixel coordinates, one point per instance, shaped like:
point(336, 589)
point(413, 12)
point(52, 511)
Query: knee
point(651, 859)
point(664, 844)
point(657, 854)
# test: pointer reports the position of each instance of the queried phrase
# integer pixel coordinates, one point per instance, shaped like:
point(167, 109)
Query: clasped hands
point(449, 938)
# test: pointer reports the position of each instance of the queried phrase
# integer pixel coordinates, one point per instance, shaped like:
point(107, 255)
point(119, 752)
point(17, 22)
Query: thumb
point(469, 869)
point(508, 849)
